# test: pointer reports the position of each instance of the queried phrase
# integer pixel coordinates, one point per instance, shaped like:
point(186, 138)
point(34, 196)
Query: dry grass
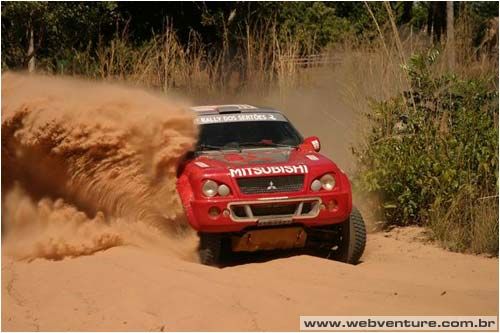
point(194, 68)
point(485, 232)
point(468, 224)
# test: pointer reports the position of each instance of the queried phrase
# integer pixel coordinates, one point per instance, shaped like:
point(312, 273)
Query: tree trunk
point(450, 35)
point(436, 20)
point(31, 49)
point(430, 19)
point(407, 12)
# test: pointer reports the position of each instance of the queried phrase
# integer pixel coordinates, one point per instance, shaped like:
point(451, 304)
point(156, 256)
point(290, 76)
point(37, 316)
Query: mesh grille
point(272, 184)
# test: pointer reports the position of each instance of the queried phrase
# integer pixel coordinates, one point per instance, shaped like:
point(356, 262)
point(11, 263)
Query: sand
point(131, 288)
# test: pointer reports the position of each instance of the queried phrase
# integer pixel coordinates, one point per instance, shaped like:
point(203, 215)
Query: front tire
point(353, 239)
point(210, 249)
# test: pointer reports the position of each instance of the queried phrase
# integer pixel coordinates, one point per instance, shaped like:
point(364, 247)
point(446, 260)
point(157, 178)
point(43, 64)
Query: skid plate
point(269, 239)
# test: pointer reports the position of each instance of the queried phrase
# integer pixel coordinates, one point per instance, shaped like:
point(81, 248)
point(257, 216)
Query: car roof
point(230, 108)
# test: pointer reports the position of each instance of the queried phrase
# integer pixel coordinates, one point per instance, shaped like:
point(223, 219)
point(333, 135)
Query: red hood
point(220, 161)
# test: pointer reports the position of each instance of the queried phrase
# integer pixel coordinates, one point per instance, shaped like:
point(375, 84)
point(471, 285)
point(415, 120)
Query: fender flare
point(186, 195)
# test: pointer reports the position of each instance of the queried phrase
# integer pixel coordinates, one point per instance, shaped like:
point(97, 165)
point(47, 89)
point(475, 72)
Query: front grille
point(273, 184)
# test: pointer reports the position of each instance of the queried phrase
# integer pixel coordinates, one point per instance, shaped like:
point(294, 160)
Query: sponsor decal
point(271, 170)
point(201, 164)
point(231, 118)
point(315, 144)
point(312, 157)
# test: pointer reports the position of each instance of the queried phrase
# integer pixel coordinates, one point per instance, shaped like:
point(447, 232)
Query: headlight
point(328, 182)
point(316, 185)
point(209, 188)
point(223, 190)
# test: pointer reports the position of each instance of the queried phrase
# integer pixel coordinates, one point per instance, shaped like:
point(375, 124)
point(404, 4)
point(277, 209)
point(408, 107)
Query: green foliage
point(485, 9)
point(62, 29)
point(419, 15)
point(17, 18)
point(311, 23)
point(358, 17)
point(433, 152)
point(59, 28)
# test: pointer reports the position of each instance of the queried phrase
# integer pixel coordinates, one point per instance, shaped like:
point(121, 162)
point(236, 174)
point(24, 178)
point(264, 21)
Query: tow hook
point(249, 238)
point(299, 236)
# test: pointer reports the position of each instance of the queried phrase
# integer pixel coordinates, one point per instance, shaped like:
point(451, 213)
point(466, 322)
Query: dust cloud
point(88, 166)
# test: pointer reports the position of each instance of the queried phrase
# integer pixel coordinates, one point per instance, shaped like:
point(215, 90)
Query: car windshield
point(237, 135)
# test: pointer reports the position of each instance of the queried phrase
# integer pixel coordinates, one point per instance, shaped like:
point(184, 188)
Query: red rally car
point(253, 183)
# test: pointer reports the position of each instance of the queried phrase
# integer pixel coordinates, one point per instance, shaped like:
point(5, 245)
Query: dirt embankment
point(88, 177)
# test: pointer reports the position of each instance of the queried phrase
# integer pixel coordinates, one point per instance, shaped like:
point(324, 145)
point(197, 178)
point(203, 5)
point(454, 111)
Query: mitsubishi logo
point(271, 186)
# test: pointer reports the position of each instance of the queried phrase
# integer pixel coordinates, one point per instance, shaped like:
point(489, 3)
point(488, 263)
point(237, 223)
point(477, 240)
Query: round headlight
point(328, 182)
point(209, 188)
point(223, 190)
point(316, 185)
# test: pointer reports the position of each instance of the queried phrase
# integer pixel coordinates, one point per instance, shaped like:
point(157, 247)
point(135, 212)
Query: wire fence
point(316, 60)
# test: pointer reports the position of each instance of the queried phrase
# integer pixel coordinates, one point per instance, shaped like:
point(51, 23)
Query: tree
point(19, 21)
point(436, 19)
point(450, 34)
point(34, 29)
point(407, 12)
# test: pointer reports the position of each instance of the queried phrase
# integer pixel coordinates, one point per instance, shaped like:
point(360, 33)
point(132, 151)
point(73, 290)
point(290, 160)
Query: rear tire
point(353, 239)
point(210, 249)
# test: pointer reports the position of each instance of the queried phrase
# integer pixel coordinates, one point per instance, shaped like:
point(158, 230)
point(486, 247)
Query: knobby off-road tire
point(353, 241)
point(211, 249)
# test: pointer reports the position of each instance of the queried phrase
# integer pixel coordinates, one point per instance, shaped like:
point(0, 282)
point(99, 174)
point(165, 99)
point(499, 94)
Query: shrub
point(432, 156)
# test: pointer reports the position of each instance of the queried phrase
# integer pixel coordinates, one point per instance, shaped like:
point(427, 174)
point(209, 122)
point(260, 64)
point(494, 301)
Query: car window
point(252, 133)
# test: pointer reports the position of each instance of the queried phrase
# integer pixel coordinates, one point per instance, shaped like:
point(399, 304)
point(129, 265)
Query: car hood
point(257, 159)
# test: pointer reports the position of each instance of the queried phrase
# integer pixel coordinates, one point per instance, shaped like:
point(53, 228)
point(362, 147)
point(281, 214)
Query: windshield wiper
point(238, 146)
point(209, 147)
point(265, 144)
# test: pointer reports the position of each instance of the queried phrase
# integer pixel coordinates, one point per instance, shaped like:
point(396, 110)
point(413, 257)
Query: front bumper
point(322, 208)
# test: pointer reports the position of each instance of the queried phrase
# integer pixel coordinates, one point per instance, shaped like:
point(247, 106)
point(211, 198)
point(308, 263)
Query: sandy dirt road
point(157, 284)
point(132, 288)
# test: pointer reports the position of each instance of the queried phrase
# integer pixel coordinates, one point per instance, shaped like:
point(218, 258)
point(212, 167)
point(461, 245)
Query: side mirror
point(313, 142)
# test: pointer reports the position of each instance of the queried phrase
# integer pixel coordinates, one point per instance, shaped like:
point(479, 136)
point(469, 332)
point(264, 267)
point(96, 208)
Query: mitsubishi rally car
point(253, 183)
